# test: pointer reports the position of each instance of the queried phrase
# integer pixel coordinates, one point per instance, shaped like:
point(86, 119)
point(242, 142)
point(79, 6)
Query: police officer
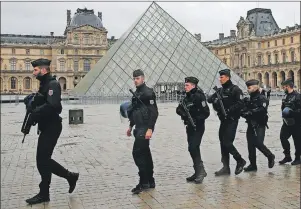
point(49, 123)
point(291, 114)
point(143, 115)
point(232, 101)
point(195, 101)
point(256, 116)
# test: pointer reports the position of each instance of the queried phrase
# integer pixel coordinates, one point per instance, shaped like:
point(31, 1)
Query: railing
point(94, 100)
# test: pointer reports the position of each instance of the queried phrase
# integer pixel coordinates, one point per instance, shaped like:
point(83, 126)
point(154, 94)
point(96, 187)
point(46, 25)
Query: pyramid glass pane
point(164, 50)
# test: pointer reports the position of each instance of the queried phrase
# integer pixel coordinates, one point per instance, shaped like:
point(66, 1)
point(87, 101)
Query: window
point(27, 82)
point(98, 40)
point(62, 65)
point(86, 39)
point(27, 65)
point(292, 56)
point(275, 42)
point(283, 58)
point(225, 60)
point(283, 41)
point(41, 52)
point(259, 60)
point(75, 39)
point(225, 51)
point(13, 51)
point(249, 61)
point(97, 52)
point(259, 45)
point(13, 64)
point(62, 51)
point(216, 51)
point(75, 65)
point(13, 83)
point(86, 65)
point(292, 40)
point(268, 44)
point(276, 59)
point(269, 59)
point(76, 51)
point(27, 51)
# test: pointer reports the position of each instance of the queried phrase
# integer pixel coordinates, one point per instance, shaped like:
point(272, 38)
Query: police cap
point(252, 82)
point(225, 72)
point(137, 73)
point(191, 79)
point(41, 62)
point(288, 82)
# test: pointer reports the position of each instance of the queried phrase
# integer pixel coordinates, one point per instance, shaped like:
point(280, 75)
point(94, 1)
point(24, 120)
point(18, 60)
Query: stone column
point(279, 79)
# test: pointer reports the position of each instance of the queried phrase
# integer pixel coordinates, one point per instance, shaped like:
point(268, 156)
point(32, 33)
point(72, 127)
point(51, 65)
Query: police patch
point(204, 104)
point(264, 104)
point(50, 92)
point(151, 101)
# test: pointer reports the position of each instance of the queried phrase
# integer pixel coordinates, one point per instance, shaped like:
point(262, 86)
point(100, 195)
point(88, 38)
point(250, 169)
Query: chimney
point(232, 33)
point(68, 17)
point(51, 34)
point(198, 36)
point(221, 35)
point(100, 15)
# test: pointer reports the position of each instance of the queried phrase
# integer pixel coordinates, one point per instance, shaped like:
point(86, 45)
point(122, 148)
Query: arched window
point(86, 65)
point(27, 83)
point(13, 83)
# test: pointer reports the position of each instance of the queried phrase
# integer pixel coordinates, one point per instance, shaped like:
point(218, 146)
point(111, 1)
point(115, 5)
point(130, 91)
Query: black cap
point(191, 79)
point(41, 62)
point(137, 73)
point(288, 82)
point(252, 82)
point(225, 72)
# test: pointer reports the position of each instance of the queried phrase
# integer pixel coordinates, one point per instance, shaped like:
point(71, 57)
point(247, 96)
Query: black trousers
point(288, 131)
point(227, 133)
point(142, 156)
point(256, 142)
point(46, 166)
point(194, 139)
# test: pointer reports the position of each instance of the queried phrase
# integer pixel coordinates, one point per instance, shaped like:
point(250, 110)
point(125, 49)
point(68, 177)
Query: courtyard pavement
point(101, 152)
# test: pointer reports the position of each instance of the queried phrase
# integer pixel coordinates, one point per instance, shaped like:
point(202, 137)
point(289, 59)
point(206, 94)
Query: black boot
point(139, 188)
point(72, 179)
point(286, 159)
point(200, 174)
point(191, 178)
point(240, 166)
point(38, 199)
point(225, 170)
point(152, 183)
point(297, 161)
point(271, 161)
point(250, 167)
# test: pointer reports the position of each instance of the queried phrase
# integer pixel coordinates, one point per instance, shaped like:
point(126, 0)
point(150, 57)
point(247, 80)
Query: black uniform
point(293, 102)
point(231, 98)
point(143, 115)
point(46, 115)
point(195, 101)
point(256, 116)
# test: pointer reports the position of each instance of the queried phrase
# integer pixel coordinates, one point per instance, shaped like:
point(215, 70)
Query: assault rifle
point(182, 103)
point(220, 102)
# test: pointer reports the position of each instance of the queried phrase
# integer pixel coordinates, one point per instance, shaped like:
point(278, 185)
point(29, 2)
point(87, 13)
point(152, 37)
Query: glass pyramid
point(164, 50)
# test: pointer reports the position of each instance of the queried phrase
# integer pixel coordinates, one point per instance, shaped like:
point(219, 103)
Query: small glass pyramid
point(166, 52)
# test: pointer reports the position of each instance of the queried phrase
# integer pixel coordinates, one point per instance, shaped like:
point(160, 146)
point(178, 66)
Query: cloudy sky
point(207, 18)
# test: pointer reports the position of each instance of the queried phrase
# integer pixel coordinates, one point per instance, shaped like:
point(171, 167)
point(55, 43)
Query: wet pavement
point(101, 152)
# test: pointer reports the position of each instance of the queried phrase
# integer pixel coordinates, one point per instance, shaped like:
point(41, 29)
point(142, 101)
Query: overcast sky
point(207, 18)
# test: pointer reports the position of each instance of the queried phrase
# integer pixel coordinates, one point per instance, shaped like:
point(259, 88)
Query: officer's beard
point(286, 91)
point(253, 89)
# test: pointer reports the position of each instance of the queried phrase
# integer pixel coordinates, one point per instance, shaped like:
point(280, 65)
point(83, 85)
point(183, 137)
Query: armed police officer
point(143, 115)
point(291, 114)
point(256, 116)
point(227, 101)
point(46, 115)
point(197, 111)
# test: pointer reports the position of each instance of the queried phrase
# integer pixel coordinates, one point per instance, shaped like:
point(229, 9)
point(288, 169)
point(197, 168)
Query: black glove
point(246, 114)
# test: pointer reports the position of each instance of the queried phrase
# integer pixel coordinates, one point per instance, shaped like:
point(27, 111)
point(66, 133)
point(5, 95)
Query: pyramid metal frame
point(163, 49)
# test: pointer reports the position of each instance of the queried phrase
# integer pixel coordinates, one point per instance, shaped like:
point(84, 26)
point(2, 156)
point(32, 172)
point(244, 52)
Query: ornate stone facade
point(261, 50)
point(73, 55)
